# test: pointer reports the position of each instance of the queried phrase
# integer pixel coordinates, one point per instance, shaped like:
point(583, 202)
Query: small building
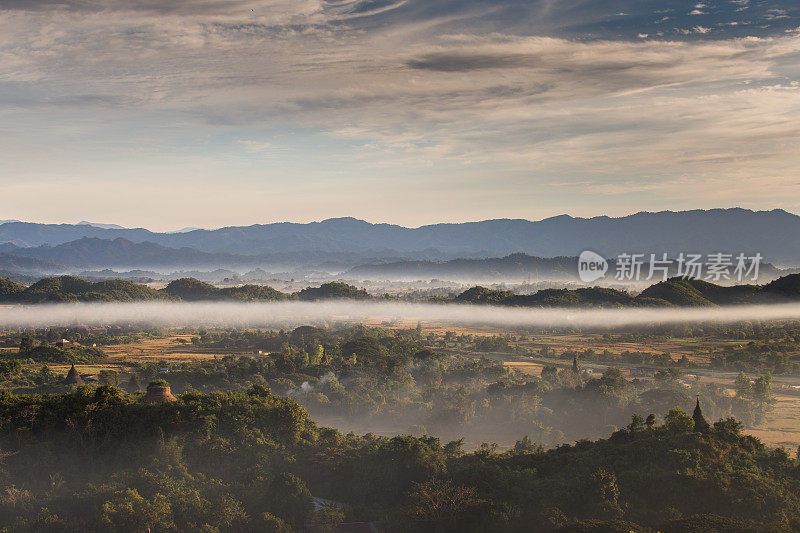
point(73, 378)
point(158, 393)
point(133, 384)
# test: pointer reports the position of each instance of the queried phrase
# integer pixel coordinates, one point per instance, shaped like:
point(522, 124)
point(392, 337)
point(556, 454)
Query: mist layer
point(273, 314)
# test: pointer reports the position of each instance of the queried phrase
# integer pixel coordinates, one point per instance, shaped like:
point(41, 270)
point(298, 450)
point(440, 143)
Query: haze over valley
point(399, 266)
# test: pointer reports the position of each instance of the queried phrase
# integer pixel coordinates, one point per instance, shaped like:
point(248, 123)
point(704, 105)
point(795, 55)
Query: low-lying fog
point(288, 313)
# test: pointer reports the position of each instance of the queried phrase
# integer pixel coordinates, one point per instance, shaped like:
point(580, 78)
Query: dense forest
point(75, 289)
point(673, 292)
point(679, 292)
point(393, 429)
point(399, 381)
point(99, 458)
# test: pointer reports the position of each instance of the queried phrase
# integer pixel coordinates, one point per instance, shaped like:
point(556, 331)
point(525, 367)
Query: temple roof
point(73, 378)
point(700, 423)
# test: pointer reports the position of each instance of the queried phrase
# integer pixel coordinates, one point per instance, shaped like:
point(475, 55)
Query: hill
point(672, 292)
point(594, 296)
point(190, 289)
point(690, 292)
point(9, 289)
point(90, 252)
point(775, 234)
point(17, 263)
point(511, 268)
point(253, 461)
point(74, 289)
point(333, 290)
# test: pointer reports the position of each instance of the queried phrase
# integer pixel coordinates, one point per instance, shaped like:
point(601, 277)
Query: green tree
point(316, 354)
point(129, 511)
point(269, 523)
point(442, 505)
point(637, 424)
point(762, 389)
point(26, 344)
point(678, 421)
point(602, 495)
point(290, 498)
point(743, 386)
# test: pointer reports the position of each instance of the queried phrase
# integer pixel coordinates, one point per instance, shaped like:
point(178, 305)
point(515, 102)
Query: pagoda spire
point(700, 423)
point(73, 378)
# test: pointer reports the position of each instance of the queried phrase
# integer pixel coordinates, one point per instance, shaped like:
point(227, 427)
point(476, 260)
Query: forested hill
point(673, 292)
point(98, 459)
point(74, 289)
point(775, 234)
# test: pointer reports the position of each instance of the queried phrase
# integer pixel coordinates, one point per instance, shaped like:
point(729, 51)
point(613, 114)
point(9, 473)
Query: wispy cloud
point(503, 89)
point(255, 146)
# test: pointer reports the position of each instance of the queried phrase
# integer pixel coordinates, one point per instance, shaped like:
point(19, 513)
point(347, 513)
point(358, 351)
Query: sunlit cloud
point(506, 92)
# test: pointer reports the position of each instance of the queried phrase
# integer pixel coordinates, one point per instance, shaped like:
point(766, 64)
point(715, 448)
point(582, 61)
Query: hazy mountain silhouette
point(512, 268)
point(91, 251)
point(775, 234)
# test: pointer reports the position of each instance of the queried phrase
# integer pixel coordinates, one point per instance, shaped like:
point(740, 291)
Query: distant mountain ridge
point(15, 263)
point(120, 252)
point(775, 234)
point(100, 225)
point(512, 268)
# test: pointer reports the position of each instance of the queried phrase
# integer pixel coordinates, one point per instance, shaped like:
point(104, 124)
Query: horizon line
point(186, 229)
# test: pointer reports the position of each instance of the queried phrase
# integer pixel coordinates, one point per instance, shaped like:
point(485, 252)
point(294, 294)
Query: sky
point(211, 113)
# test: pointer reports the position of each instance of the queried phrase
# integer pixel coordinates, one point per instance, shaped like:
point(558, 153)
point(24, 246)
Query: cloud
point(255, 146)
point(409, 84)
point(456, 62)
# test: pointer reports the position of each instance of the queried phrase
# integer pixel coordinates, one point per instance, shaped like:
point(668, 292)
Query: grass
point(164, 349)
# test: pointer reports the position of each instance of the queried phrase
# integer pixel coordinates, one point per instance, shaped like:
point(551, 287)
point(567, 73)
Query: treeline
point(361, 378)
point(678, 292)
point(98, 459)
point(673, 292)
point(74, 289)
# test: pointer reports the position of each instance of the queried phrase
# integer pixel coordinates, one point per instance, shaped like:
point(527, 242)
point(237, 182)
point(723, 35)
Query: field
point(174, 348)
point(781, 428)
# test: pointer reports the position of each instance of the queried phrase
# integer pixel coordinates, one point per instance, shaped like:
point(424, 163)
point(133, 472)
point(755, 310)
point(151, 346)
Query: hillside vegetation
point(678, 292)
point(672, 292)
point(101, 459)
point(74, 289)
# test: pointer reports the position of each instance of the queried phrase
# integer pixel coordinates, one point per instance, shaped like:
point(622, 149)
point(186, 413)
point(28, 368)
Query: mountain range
point(89, 252)
point(348, 242)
